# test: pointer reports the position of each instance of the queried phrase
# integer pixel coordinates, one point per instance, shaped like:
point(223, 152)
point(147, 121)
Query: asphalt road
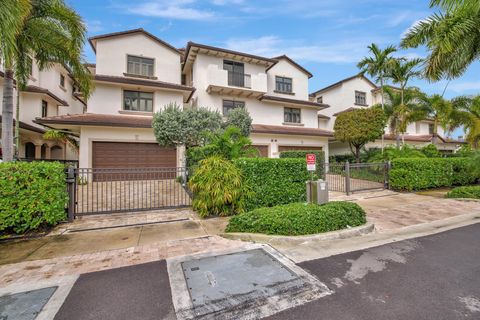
point(434, 277)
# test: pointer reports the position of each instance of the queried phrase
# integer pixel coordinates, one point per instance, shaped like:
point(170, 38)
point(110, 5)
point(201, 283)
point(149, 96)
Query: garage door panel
point(262, 150)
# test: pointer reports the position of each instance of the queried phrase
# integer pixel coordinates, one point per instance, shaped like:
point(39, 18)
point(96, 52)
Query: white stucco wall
point(275, 140)
point(299, 80)
point(112, 54)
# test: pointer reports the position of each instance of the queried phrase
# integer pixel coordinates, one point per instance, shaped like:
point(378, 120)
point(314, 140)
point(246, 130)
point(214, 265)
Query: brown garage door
point(132, 155)
point(301, 148)
point(262, 150)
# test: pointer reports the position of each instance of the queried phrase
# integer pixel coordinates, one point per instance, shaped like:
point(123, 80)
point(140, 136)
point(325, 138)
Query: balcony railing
point(238, 79)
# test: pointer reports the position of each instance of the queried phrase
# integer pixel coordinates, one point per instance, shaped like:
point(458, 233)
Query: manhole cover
point(24, 305)
point(245, 284)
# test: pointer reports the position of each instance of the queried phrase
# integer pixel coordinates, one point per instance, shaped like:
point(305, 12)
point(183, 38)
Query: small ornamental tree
point(173, 126)
point(358, 127)
point(240, 118)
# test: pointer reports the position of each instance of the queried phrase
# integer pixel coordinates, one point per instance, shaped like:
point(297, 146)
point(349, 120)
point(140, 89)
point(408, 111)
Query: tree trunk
point(7, 117)
point(357, 154)
point(397, 134)
point(17, 126)
point(383, 109)
point(435, 133)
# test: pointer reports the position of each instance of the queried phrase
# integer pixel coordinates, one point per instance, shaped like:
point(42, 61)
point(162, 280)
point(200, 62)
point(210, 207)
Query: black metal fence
point(99, 190)
point(355, 177)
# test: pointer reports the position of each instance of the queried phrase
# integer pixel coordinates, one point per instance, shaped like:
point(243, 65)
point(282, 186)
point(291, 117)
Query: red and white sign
point(311, 162)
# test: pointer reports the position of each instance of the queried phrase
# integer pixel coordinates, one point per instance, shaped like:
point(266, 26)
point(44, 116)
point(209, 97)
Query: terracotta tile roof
point(143, 82)
point(27, 126)
point(35, 89)
point(308, 73)
point(92, 40)
point(322, 116)
point(293, 101)
point(421, 138)
point(95, 119)
point(263, 128)
point(343, 81)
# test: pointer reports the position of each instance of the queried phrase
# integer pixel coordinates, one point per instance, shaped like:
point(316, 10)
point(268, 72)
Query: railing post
point(388, 167)
point(347, 178)
point(71, 194)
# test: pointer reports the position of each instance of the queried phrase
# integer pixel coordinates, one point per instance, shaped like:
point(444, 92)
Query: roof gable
point(342, 82)
point(292, 62)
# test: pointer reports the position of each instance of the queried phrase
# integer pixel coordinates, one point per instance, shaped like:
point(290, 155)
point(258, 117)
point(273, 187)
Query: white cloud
point(344, 51)
point(178, 9)
point(225, 2)
point(465, 86)
point(94, 26)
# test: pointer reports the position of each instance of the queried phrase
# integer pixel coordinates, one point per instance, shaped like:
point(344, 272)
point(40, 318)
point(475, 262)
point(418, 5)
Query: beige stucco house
point(49, 93)
point(137, 74)
point(360, 92)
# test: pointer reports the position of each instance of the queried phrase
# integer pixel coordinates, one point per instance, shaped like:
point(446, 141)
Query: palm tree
point(466, 114)
point(377, 66)
point(49, 32)
point(401, 109)
point(438, 109)
point(63, 137)
point(452, 37)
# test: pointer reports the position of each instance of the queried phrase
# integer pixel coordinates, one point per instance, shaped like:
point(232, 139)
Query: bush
point(218, 188)
point(240, 118)
point(274, 181)
point(431, 151)
point(299, 219)
point(391, 153)
point(320, 156)
point(472, 192)
point(32, 194)
point(418, 174)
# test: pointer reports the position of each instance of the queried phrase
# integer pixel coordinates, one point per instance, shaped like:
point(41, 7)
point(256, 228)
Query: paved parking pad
point(239, 285)
point(24, 305)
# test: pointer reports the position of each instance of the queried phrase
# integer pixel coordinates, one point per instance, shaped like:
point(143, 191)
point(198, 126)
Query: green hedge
point(32, 194)
point(472, 192)
point(274, 181)
point(299, 219)
point(320, 157)
point(425, 173)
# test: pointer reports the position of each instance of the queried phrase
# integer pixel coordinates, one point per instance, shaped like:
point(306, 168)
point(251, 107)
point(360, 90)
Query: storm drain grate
point(242, 284)
point(25, 305)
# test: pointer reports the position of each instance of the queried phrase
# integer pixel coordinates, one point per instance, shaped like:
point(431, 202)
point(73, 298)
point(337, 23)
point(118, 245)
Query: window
point(229, 105)
point(236, 73)
point(430, 128)
point(30, 66)
point(137, 101)
point(283, 84)
point(140, 66)
point(291, 115)
point(184, 79)
point(360, 98)
point(320, 99)
point(44, 108)
point(62, 80)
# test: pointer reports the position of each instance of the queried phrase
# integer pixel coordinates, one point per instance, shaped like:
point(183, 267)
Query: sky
point(327, 37)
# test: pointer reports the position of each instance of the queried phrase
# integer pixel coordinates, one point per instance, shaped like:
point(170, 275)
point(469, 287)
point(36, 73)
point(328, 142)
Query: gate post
point(347, 178)
point(71, 194)
point(386, 174)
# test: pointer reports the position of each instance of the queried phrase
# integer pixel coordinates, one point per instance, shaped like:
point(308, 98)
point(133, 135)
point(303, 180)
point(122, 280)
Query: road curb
point(274, 239)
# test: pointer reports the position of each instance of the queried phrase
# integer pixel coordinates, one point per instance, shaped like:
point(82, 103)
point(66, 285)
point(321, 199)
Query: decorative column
point(48, 152)
point(38, 151)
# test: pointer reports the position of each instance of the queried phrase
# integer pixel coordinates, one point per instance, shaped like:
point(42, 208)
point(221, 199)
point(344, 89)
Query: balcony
point(237, 84)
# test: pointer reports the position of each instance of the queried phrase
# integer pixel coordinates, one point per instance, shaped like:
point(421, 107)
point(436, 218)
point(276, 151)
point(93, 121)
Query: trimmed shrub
point(218, 188)
point(472, 192)
point(320, 156)
point(32, 194)
point(274, 181)
point(418, 174)
point(240, 118)
point(299, 219)
point(431, 151)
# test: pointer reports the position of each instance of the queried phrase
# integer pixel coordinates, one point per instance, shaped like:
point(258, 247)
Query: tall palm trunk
point(398, 122)
point(435, 132)
point(17, 126)
point(383, 109)
point(7, 116)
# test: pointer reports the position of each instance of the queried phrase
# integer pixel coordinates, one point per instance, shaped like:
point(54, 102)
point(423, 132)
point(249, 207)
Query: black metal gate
point(99, 190)
point(355, 177)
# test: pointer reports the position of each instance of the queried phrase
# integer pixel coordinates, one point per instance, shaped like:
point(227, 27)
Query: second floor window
point(236, 73)
point(320, 99)
point(430, 128)
point(292, 115)
point(137, 101)
point(44, 108)
point(140, 66)
point(283, 84)
point(229, 105)
point(360, 98)
point(62, 80)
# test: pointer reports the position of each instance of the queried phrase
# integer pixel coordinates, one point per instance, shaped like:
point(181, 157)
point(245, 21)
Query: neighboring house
point(359, 92)
point(50, 92)
point(137, 74)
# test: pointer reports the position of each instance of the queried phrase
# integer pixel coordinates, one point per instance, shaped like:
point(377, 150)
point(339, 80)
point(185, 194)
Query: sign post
point(311, 167)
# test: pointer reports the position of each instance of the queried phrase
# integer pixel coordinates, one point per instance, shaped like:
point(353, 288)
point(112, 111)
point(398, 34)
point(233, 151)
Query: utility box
point(317, 191)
